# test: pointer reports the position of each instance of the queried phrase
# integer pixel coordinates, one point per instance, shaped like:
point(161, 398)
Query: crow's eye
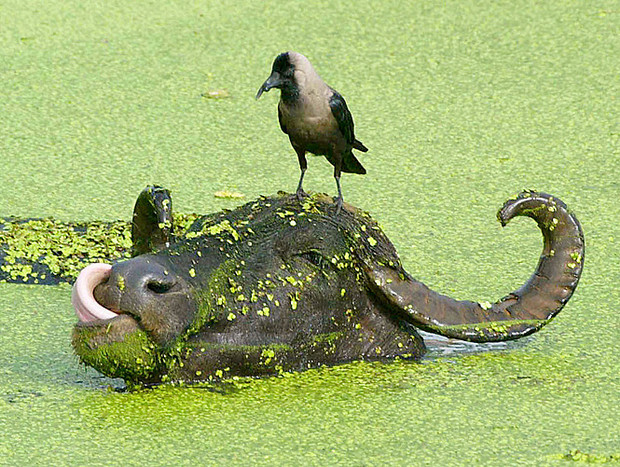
point(314, 257)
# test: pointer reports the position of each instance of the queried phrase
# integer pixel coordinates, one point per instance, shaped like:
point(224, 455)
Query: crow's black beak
point(273, 81)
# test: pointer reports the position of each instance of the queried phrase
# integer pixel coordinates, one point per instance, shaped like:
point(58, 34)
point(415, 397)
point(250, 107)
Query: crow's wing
point(341, 113)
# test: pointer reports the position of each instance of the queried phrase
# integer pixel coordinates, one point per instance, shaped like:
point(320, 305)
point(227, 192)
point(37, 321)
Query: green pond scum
point(49, 251)
point(461, 105)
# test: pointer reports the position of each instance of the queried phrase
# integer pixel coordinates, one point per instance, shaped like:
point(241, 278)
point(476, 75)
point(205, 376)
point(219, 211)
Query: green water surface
point(462, 104)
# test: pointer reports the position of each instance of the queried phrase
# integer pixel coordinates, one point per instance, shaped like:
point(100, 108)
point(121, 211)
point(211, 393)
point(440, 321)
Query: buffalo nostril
point(159, 287)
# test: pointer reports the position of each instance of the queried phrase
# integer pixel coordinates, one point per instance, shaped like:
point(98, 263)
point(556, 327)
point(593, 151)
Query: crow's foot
point(301, 194)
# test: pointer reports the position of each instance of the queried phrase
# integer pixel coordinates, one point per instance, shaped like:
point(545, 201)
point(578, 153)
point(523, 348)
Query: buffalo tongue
point(84, 303)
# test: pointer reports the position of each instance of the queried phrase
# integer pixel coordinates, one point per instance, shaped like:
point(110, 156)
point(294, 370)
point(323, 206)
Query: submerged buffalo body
point(277, 285)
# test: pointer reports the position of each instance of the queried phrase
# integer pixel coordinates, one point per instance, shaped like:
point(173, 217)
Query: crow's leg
point(339, 200)
point(303, 165)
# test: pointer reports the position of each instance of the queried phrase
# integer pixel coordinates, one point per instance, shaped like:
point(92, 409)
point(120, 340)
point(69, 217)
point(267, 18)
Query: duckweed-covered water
point(462, 104)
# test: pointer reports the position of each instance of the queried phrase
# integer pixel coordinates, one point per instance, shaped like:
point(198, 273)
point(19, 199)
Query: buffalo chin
point(118, 348)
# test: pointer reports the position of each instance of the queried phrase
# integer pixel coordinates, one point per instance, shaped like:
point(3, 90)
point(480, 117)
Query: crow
point(315, 117)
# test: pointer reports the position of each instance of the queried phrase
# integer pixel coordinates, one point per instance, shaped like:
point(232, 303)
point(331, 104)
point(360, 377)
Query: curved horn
point(521, 312)
point(151, 226)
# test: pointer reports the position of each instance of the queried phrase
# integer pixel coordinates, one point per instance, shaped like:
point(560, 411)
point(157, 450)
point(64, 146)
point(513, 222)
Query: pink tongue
point(86, 307)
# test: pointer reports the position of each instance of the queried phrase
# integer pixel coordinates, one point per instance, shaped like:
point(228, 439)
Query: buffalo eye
point(313, 257)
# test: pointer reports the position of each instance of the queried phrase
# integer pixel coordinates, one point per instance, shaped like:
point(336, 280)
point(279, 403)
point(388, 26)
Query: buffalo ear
point(151, 226)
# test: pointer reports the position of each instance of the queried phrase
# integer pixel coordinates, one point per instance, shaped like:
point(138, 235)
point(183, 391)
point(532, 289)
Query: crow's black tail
point(351, 165)
point(359, 146)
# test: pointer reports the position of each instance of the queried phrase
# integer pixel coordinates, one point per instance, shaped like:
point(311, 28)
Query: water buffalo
point(281, 285)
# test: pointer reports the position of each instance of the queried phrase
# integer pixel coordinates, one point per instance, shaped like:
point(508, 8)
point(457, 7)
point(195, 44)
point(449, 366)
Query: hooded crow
point(314, 116)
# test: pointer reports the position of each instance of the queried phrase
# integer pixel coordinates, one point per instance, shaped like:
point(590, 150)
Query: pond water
point(462, 105)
